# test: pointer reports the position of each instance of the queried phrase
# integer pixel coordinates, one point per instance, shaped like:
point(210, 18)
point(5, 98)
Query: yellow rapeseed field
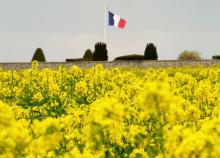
point(105, 113)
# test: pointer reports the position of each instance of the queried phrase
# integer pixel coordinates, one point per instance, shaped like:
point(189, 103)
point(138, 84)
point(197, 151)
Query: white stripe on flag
point(116, 20)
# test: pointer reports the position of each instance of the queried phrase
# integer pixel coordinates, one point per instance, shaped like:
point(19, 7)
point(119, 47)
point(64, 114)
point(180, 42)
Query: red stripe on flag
point(122, 23)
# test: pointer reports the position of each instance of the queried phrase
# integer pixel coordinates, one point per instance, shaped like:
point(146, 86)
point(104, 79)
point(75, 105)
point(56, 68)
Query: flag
point(116, 21)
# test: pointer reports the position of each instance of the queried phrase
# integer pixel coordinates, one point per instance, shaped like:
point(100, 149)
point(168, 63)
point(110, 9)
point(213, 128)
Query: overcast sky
point(66, 28)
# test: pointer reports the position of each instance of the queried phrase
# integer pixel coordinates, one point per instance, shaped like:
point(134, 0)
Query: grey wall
point(87, 64)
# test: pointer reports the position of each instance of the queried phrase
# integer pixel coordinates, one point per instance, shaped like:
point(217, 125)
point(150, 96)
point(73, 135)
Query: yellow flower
point(157, 97)
point(81, 88)
point(38, 96)
point(138, 153)
point(110, 112)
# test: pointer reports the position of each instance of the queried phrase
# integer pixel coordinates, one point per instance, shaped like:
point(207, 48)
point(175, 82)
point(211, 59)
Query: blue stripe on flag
point(111, 18)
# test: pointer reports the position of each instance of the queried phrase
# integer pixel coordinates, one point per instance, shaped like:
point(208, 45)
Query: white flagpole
point(105, 26)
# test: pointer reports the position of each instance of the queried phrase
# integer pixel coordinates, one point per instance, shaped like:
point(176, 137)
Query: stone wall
point(110, 64)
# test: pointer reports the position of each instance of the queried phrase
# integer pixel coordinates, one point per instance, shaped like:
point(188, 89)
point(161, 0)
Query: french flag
point(116, 21)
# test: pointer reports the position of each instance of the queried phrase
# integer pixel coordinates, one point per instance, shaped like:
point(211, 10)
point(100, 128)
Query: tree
point(100, 53)
point(216, 57)
point(88, 54)
point(130, 57)
point(189, 55)
point(150, 52)
point(39, 55)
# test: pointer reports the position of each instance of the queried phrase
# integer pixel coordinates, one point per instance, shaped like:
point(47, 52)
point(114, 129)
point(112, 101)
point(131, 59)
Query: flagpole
point(105, 25)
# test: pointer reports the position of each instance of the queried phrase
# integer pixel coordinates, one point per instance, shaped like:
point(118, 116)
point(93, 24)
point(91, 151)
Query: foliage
point(216, 57)
point(100, 53)
point(189, 55)
point(88, 54)
point(118, 112)
point(39, 55)
point(131, 57)
point(150, 52)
